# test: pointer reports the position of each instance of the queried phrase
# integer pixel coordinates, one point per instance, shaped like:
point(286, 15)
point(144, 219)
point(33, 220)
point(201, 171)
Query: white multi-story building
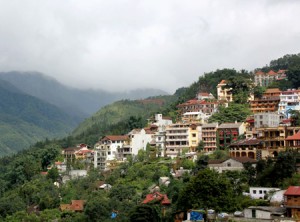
point(106, 149)
point(139, 138)
point(160, 135)
point(223, 93)
point(180, 137)
point(289, 100)
point(266, 120)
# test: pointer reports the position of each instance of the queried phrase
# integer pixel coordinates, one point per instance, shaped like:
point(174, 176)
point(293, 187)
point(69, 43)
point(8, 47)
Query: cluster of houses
point(265, 133)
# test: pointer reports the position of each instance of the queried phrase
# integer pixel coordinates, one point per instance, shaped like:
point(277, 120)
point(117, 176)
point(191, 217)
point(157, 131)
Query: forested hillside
point(120, 117)
point(25, 120)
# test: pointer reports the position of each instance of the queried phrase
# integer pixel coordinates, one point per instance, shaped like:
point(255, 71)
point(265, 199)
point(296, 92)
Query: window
point(254, 191)
point(260, 192)
point(229, 164)
point(108, 153)
point(194, 135)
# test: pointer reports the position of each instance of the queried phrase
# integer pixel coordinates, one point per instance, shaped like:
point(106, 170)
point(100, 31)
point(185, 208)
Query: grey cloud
point(125, 44)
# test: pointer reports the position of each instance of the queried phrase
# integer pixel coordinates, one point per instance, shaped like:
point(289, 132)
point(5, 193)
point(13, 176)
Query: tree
point(241, 86)
point(200, 146)
point(208, 189)
point(122, 192)
point(53, 174)
point(96, 208)
point(258, 91)
point(295, 117)
point(284, 167)
point(293, 75)
point(145, 213)
point(234, 112)
point(11, 204)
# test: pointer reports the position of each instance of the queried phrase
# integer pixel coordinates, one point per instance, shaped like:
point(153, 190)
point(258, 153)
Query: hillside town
point(268, 131)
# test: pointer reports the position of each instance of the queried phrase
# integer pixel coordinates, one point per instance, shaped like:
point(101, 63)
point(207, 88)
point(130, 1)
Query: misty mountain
point(77, 102)
point(25, 119)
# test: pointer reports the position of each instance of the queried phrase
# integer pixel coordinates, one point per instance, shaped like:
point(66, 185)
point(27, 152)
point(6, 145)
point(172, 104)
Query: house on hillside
point(75, 206)
point(249, 147)
point(293, 141)
point(230, 164)
point(230, 132)
point(156, 196)
point(209, 137)
point(264, 212)
point(137, 140)
point(264, 79)
point(180, 137)
point(107, 148)
point(292, 201)
point(223, 93)
point(205, 96)
point(262, 192)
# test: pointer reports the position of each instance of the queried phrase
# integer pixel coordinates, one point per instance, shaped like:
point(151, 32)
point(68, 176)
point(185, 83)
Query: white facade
point(224, 94)
point(161, 122)
point(263, 212)
point(106, 150)
point(139, 139)
point(266, 120)
point(289, 100)
point(177, 138)
point(227, 165)
point(261, 192)
point(180, 136)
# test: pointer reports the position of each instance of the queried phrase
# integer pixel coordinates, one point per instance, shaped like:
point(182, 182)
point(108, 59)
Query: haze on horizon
point(126, 44)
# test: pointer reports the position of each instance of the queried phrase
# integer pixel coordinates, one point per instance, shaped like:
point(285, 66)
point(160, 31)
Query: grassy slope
point(121, 111)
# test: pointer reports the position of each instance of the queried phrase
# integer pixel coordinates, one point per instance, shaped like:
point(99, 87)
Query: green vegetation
point(25, 120)
point(234, 112)
point(23, 187)
point(290, 62)
point(119, 118)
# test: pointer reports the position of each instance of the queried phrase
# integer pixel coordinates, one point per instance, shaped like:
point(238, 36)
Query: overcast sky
point(125, 44)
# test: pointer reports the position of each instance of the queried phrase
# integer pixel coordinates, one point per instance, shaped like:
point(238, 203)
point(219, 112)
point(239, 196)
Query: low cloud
point(121, 44)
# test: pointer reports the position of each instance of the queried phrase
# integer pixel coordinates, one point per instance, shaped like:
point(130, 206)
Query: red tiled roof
point(293, 190)
point(115, 137)
point(44, 173)
point(244, 159)
point(247, 142)
point(203, 94)
point(294, 137)
point(216, 161)
point(259, 73)
point(272, 73)
point(77, 205)
point(162, 198)
point(196, 102)
point(272, 90)
point(222, 82)
point(281, 71)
